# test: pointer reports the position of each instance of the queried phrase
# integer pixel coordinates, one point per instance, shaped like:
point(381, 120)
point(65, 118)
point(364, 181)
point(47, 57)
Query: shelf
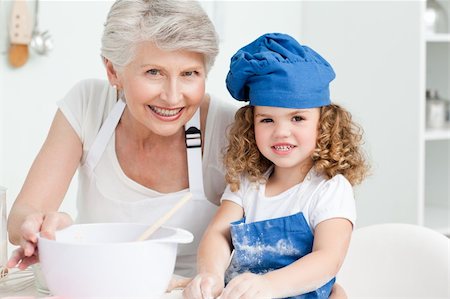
point(438, 134)
point(438, 219)
point(438, 38)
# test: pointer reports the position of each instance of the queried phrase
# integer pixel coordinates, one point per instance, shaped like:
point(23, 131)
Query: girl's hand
point(204, 286)
point(178, 282)
point(47, 224)
point(246, 286)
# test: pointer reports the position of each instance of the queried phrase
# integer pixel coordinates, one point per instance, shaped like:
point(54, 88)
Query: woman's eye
point(266, 120)
point(297, 118)
point(153, 72)
point(190, 73)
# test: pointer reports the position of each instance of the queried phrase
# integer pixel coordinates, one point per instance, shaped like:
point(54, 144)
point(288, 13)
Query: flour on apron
point(264, 246)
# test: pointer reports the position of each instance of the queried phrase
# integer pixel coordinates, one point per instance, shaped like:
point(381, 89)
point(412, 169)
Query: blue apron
point(264, 246)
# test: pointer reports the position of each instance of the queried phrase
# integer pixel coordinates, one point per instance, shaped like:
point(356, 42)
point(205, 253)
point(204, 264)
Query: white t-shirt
point(87, 105)
point(318, 198)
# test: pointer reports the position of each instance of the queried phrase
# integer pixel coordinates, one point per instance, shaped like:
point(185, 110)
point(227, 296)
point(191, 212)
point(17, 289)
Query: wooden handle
point(18, 55)
point(19, 27)
point(145, 235)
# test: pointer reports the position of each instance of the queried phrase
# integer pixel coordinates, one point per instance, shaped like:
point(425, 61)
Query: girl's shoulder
point(320, 185)
point(331, 198)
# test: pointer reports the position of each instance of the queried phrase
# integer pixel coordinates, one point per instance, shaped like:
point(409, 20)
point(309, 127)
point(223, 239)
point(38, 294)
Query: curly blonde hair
point(338, 148)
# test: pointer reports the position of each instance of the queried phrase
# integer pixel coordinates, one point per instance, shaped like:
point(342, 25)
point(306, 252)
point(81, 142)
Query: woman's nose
point(171, 92)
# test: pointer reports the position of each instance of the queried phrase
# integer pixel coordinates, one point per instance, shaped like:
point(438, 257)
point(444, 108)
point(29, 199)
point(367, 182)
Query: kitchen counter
point(28, 280)
point(31, 292)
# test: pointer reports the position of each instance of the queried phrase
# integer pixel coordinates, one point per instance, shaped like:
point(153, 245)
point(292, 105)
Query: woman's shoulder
point(91, 88)
point(90, 93)
point(222, 109)
point(87, 104)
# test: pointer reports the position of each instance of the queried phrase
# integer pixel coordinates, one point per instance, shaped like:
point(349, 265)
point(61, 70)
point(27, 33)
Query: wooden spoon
point(149, 231)
point(19, 33)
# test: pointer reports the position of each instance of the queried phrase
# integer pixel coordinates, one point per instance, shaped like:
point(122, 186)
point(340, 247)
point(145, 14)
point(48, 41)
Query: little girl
point(292, 160)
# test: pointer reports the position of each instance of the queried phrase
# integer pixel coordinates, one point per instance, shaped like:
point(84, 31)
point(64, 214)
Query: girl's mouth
point(283, 148)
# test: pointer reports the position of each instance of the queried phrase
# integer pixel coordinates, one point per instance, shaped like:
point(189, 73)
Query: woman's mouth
point(165, 113)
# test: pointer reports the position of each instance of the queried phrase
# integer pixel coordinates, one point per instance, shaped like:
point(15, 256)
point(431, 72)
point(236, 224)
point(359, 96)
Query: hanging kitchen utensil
point(19, 33)
point(41, 42)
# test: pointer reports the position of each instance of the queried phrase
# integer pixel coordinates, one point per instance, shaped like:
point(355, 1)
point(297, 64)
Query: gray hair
point(170, 24)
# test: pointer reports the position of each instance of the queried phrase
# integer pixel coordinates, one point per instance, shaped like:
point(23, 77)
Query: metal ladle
point(41, 42)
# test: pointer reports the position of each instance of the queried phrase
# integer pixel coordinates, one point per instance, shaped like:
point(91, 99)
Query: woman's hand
point(248, 285)
point(46, 224)
point(204, 286)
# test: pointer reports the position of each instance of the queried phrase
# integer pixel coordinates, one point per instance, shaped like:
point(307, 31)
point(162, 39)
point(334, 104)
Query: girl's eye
point(297, 118)
point(153, 72)
point(266, 120)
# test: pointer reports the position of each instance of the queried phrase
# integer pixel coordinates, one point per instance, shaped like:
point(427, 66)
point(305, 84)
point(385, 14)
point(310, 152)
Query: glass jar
point(436, 111)
point(435, 18)
point(3, 236)
point(39, 280)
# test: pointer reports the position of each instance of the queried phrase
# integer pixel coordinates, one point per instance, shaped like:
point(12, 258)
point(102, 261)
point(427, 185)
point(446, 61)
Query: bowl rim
point(180, 236)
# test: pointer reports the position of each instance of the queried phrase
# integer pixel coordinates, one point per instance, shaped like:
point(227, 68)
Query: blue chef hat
point(275, 70)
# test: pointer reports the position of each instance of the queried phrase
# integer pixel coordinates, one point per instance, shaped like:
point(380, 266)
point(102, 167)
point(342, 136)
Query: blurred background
point(391, 60)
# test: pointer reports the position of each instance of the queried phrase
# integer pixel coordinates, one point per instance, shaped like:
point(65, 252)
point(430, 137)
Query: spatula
point(19, 33)
point(148, 232)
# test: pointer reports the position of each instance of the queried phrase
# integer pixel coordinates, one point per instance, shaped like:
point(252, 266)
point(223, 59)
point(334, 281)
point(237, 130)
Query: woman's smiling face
point(163, 89)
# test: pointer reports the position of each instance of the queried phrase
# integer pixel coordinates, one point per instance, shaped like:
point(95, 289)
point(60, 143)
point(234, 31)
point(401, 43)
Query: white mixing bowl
point(104, 260)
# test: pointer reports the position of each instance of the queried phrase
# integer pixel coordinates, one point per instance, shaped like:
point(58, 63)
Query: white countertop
point(31, 292)
point(24, 285)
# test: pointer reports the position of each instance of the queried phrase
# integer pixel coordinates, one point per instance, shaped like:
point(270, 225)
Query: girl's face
point(287, 137)
point(163, 89)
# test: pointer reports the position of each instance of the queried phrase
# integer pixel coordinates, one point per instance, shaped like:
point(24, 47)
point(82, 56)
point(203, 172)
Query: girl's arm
point(35, 208)
point(214, 253)
point(331, 241)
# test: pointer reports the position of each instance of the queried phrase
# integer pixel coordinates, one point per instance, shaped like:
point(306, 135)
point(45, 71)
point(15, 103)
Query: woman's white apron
point(93, 206)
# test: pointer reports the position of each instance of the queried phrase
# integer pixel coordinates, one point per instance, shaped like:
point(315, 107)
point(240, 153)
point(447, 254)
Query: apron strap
point(104, 134)
point(194, 154)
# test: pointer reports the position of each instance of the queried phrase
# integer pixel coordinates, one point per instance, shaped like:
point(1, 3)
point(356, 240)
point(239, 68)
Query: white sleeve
point(333, 200)
point(72, 107)
point(86, 106)
point(236, 197)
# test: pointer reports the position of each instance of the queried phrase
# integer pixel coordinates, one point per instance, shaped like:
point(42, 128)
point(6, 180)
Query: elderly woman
point(140, 140)
point(127, 136)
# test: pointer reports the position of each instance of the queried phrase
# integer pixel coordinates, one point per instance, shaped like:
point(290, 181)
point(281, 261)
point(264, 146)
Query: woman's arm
point(45, 187)
point(214, 253)
point(331, 240)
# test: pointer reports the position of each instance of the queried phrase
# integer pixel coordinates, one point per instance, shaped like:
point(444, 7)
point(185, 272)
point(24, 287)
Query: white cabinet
point(436, 141)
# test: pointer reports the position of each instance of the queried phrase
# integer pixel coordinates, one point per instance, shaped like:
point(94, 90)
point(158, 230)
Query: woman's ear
point(111, 73)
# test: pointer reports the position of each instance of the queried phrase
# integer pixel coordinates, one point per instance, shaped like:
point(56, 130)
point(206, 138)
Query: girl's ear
point(111, 73)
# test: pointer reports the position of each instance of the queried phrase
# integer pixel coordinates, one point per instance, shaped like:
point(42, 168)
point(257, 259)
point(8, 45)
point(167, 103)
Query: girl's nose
point(282, 130)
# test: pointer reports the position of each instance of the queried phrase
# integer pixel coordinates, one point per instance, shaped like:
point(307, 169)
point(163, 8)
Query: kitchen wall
point(376, 49)
point(375, 54)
